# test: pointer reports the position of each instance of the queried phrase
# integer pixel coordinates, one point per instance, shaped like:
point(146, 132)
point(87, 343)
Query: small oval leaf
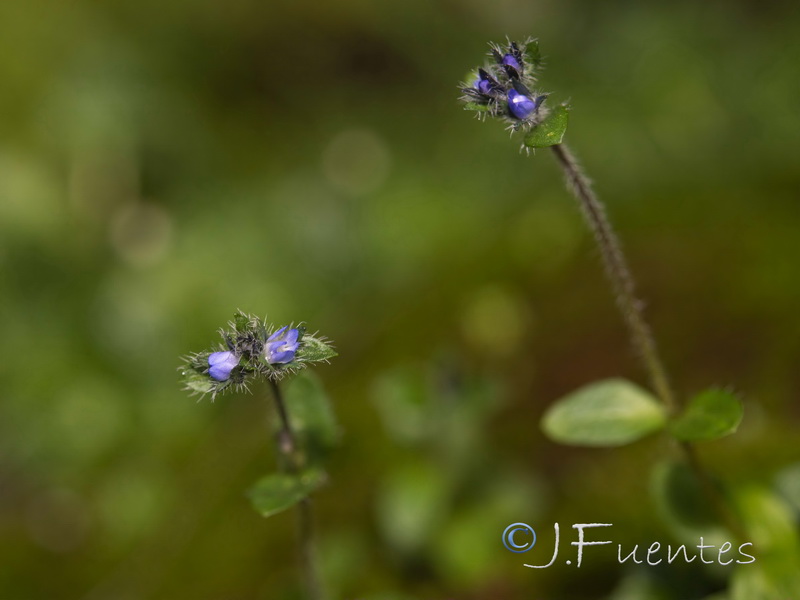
point(279, 491)
point(682, 503)
point(772, 530)
point(613, 412)
point(550, 131)
point(311, 417)
point(709, 415)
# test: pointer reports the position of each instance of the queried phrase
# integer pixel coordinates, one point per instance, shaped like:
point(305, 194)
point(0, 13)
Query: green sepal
point(279, 491)
point(197, 383)
point(314, 349)
point(241, 322)
point(549, 132)
point(606, 413)
point(476, 106)
point(710, 415)
point(533, 54)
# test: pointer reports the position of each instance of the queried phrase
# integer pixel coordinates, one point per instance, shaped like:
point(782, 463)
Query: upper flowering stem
point(505, 89)
point(281, 346)
point(502, 88)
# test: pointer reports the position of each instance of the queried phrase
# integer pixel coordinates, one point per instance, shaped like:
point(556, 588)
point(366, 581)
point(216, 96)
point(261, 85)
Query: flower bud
point(220, 365)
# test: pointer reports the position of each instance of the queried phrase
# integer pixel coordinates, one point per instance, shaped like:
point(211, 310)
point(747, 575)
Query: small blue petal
point(221, 364)
point(219, 373)
point(281, 346)
point(511, 61)
point(277, 334)
point(273, 347)
point(286, 356)
point(218, 357)
point(520, 105)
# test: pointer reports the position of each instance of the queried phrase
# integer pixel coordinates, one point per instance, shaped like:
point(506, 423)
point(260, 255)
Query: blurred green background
point(165, 163)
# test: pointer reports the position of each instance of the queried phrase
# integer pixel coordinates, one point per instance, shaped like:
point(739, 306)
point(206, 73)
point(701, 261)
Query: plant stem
point(287, 445)
point(618, 272)
point(631, 309)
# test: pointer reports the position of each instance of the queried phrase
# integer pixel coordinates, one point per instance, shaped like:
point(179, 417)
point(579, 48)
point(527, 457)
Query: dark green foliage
point(709, 415)
point(279, 491)
point(550, 131)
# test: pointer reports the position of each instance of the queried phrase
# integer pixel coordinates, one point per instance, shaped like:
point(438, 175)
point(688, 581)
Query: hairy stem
point(618, 272)
point(287, 445)
point(631, 308)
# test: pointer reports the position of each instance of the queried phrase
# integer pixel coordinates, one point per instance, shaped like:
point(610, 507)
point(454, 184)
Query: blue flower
point(521, 106)
point(486, 84)
point(510, 60)
point(281, 346)
point(220, 365)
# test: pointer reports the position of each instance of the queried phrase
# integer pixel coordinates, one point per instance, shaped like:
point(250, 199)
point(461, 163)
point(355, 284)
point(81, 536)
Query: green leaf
point(769, 521)
point(310, 412)
point(787, 482)
point(412, 504)
point(197, 382)
point(404, 403)
point(279, 491)
point(550, 131)
point(772, 530)
point(753, 583)
point(640, 585)
point(314, 349)
point(682, 503)
point(710, 415)
point(613, 412)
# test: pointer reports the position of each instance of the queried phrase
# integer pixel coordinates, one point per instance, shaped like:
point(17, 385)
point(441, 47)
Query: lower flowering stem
point(287, 446)
point(618, 273)
point(622, 281)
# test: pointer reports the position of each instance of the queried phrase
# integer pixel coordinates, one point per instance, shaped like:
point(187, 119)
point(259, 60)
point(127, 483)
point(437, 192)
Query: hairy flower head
point(251, 350)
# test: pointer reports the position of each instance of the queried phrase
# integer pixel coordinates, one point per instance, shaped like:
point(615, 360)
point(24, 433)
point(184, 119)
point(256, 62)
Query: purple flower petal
point(512, 62)
point(291, 336)
point(520, 105)
point(277, 334)
point(283, 357)
point(273, 347)
point(221, 364)
point(218, 357)
point(281, 346)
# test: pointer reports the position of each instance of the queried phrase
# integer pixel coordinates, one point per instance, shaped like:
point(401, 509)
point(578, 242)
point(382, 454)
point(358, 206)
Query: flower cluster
point(251, 350)
point(503, 88)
